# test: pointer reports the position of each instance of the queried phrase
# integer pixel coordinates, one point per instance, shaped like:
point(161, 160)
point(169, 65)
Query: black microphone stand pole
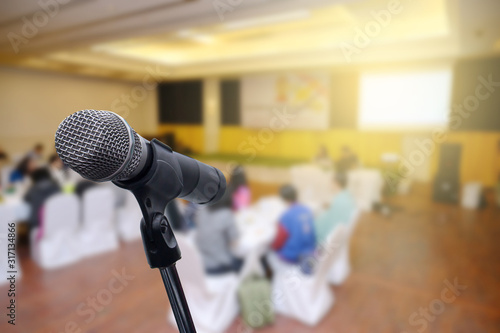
point(162, 252)
point(177, 300)
point(154, 191)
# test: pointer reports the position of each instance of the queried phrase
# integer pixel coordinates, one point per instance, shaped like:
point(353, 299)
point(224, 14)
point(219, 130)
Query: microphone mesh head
point(97, 145)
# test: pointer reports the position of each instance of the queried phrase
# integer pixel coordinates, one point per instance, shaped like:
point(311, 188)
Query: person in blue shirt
point(340, 211)
point(295, 239)
point(23, 169)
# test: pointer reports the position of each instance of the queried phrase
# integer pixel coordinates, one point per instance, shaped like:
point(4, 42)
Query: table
point(18, 209)
point(257, 225)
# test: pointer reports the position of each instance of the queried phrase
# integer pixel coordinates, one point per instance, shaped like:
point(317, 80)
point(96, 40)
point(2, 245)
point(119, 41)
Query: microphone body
point(101, 146)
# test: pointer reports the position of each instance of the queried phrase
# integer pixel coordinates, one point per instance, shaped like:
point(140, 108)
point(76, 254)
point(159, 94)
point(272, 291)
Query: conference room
point(240, 166)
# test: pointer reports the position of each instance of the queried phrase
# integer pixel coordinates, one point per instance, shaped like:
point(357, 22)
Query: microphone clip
point(161, 184)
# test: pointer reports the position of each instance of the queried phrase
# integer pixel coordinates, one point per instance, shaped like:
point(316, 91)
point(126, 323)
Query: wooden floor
point(400, 265)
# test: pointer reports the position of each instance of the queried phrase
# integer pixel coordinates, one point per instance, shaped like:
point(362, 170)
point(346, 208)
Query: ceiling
point(195, 38)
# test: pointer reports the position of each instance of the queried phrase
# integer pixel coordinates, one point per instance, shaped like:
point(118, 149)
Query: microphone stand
point(178, 302)
point(163, 252)
point(154, 191)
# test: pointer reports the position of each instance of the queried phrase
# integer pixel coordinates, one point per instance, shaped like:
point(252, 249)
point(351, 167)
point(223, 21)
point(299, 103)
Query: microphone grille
point(99, 145)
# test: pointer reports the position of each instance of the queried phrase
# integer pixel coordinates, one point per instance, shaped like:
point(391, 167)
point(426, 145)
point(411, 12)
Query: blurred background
point(360, 140)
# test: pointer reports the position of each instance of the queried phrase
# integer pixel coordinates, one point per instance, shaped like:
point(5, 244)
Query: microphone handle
point(202, 183)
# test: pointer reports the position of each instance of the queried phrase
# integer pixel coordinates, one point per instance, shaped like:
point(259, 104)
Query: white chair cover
point(308, 298)
point(366, 187)
point(59, 244)
point(471, 195)
point(98, 234)
point(341, 267)
point(212, 300)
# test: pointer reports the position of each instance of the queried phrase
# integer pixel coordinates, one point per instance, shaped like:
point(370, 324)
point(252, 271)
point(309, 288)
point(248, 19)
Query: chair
point(471, 195)
point(55, 243)
point(212, 300)
point(366, 186)
point(313, 185)
point(128, 218)
point(341, 267)
point(308, 298)
point(98, 234)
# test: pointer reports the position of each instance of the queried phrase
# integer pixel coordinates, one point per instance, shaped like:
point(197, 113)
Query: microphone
point(101, 146)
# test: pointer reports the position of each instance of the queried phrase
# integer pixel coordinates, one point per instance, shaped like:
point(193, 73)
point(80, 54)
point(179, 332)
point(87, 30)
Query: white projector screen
point(303, 95)
point(410, 100)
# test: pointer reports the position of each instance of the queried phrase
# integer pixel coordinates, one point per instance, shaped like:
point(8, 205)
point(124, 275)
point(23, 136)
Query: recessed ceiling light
point(269, 19)
point(195, 36)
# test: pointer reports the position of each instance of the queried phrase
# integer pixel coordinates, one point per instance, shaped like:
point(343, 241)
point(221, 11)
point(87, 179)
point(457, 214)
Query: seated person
point(295, 240)
point(3, 162)
point(3, 157)
point(56, 169)
point(37, 153)
point(340, 211)
point(190, 210)
point(32, 161)
point(323, 159)
point(238, 188)
point(23, 169)
point(348, 160)
point(83, 185)
point(177, 219)
point(216, 234)
point(43, 187)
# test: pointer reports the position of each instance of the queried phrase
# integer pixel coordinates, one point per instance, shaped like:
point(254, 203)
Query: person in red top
point(295, 239)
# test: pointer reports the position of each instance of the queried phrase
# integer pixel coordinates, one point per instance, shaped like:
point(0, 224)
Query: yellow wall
point(191, 136)
point(301, 144)
point(479, 162)
point(33, 103)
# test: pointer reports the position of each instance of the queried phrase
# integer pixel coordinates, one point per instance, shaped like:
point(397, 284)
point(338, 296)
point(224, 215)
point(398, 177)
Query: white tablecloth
point(257, 225)
point(19, 209)
point(366, 185)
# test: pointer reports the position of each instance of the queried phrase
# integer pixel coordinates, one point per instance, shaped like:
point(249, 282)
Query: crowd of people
point(298, 236)
point(298, 232)
point(36, 179)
